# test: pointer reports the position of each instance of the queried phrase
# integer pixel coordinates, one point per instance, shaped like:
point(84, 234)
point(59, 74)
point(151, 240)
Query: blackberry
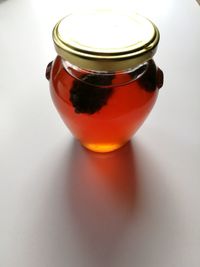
point(87, 98)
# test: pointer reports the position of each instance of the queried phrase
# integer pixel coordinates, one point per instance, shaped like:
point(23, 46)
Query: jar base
point(102, 148)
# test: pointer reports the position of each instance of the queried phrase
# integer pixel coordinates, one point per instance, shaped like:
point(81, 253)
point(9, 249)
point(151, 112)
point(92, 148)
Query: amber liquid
point(112, 125)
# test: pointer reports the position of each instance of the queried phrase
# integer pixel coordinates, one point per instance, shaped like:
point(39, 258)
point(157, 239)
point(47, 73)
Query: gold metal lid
point(105, 40)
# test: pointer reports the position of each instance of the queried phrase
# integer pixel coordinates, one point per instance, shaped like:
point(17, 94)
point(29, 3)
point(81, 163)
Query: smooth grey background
point(61, 205)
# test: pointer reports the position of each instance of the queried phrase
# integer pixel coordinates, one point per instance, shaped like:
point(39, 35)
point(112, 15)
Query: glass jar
point(104, 81)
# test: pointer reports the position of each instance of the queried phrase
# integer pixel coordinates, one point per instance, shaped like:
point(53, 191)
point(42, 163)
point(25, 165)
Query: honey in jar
point(104, 81)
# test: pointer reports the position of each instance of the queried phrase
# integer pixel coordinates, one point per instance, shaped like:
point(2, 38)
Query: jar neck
point(105, 78)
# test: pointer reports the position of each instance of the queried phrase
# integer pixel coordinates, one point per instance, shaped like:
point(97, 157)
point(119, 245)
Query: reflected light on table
point(102, 195)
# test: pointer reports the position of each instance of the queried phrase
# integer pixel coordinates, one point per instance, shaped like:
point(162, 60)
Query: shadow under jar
point(104, 81)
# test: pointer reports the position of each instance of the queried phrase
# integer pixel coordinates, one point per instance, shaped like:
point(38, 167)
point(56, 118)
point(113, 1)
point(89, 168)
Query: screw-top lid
point(105, 40)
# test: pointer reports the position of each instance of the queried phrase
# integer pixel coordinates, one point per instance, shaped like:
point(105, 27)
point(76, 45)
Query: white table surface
point(63, 206)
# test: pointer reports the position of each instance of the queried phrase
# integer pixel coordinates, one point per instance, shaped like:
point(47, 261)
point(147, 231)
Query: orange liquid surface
point(114, 123)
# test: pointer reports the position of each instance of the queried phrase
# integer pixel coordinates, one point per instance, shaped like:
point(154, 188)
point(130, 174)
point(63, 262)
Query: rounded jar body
point(103, 110)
